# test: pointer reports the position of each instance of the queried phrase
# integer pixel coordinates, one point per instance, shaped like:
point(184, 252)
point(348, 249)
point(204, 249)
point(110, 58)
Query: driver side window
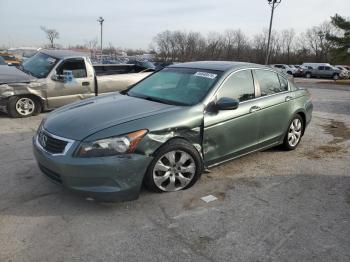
point(77, 66)
point(239, 85)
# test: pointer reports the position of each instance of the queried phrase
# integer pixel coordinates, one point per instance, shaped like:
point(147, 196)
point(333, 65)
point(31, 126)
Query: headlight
point(41, 125)
point(124, 144)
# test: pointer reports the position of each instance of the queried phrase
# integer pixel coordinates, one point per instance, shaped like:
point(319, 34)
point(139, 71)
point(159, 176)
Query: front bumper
point(3, 104)
point(114, 178)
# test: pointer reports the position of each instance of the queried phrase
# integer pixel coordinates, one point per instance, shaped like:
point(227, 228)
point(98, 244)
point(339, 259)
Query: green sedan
point(164, 131)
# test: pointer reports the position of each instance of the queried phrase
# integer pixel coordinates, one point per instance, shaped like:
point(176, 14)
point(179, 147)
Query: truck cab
point(53, 78)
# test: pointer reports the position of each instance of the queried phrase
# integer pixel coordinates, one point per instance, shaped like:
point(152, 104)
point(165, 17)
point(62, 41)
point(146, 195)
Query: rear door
point(328, 71)
point(75, 83)
point(229, 133)
point(320, 71)
point(275, 104)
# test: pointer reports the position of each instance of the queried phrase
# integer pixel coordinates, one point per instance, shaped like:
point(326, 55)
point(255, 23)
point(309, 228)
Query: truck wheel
point(176, 166)
point(335, 76)
point(308, 75)
point(23, 106)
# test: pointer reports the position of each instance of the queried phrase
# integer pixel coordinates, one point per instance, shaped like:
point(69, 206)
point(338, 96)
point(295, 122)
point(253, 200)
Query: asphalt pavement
point(271, 206)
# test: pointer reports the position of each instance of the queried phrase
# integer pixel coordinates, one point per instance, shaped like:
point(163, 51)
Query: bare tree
point(287, 41)
point(316, 40)
point(285, 46)
point(51, 34)
point(215, 46)
point(91, 44)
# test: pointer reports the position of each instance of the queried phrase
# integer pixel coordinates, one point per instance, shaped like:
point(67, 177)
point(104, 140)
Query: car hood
point(80, 120)
point(11, 74)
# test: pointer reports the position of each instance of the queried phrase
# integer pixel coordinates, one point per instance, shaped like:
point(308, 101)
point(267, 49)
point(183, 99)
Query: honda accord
point(167, 129)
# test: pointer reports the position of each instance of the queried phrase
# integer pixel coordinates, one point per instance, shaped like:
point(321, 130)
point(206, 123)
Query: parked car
point(345, 73)
point(298, 71)
point(168, 128)
point(143, 63)
point(54, 78)
point(10, 59)
point(321, 70)
point(285, 69)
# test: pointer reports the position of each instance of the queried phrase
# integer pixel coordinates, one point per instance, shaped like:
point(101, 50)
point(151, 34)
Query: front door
point(74, 83)
point(229, 133)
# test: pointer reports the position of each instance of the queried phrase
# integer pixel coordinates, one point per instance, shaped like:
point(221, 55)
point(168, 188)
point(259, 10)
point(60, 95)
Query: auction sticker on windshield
point(206, 75)
point(51, 60)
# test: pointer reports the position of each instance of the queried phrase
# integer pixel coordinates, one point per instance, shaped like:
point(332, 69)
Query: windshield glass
point(39, 65)
point(178, 86)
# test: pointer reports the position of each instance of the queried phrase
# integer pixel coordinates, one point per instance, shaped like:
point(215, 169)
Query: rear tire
point(23, 106)
point(176, 166)
point(294, 133)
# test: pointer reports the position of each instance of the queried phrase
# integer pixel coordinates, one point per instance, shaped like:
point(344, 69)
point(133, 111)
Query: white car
point(344, 72)
point(285, 69)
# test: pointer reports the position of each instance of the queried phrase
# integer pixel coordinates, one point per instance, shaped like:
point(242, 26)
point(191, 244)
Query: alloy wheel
point(174, 171)
point(25, 106)
point(294, 133)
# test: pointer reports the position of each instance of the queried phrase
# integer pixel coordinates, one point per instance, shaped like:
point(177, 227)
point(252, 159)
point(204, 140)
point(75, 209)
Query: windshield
point(39, 65)
point(178, 86)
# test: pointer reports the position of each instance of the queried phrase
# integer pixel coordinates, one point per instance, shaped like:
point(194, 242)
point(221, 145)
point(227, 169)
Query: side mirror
point(58, 78)
point(226, 103)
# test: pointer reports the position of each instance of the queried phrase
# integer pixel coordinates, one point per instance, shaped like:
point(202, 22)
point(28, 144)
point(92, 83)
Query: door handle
point(288, 98)
point(85, 83)
point(254, 109)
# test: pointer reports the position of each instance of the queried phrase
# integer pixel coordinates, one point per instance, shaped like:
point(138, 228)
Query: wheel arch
point(197, 146)
point(33, 96)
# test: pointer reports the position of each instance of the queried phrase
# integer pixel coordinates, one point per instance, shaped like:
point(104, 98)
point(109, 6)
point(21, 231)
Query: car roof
point(62, 53)
point(217, 65)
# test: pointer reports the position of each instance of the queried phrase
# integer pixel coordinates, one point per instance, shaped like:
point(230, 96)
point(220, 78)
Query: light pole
point(101, 20)
point(273, 4)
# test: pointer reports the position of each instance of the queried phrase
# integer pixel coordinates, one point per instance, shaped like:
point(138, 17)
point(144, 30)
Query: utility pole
point(101, 20)
point(273, 4)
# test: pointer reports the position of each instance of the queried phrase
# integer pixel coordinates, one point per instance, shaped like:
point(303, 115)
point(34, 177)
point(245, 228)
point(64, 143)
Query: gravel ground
point(272, 205)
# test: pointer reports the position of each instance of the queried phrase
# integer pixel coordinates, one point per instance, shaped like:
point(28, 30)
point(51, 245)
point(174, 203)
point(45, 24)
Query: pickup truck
point(321, 70)
point(53, 78)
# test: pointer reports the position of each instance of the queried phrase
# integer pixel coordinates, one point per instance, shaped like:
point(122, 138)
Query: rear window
point(283, 83)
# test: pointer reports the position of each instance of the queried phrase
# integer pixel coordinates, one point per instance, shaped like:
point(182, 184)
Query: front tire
point(308, 75)
point(176, 166)
point(23, 106)
point(335, 77)
point(294, 133)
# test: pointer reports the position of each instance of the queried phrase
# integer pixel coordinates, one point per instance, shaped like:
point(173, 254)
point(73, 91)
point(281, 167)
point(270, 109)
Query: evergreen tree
point(341, 50)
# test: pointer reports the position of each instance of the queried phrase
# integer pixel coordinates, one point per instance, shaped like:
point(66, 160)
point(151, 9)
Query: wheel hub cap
point(294, 133)
point(174, 171)
point(25, 106)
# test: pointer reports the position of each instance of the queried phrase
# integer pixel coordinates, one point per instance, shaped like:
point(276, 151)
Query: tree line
point(327, 42)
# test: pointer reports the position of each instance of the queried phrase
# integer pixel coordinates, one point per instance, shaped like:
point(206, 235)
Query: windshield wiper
point(159, 100)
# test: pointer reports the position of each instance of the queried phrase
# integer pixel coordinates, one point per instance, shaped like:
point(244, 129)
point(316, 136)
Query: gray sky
point(134, 23)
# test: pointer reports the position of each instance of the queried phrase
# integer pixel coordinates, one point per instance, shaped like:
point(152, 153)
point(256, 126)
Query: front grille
point(51, 174)
point(51, 144)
